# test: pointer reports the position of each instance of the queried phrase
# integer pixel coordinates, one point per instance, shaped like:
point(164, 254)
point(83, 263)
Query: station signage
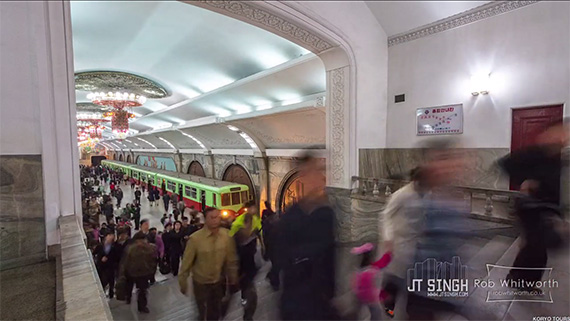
point(441, 120)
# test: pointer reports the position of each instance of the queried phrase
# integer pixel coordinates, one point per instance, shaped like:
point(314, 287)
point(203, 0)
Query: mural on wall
point(164, 163)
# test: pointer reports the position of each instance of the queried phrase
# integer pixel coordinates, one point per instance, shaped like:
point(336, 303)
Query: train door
point(203, 199)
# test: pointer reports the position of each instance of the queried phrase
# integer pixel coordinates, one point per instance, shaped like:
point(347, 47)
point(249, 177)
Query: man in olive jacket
point(139, 267)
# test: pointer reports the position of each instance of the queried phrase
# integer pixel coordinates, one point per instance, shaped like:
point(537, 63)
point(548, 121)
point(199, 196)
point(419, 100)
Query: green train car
point(200, 192)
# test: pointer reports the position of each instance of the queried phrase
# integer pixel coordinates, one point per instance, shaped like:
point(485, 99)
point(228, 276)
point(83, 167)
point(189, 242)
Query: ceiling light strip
point(144, 140)
point(167, 142)
point(194, 139)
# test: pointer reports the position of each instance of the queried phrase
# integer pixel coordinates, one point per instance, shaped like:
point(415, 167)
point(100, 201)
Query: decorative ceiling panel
point(113, 81)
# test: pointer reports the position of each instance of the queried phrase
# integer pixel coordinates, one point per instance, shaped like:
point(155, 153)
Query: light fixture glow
point(234, 128)
point(480, 84)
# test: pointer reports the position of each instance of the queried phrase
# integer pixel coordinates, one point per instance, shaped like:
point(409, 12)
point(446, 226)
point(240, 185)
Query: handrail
point(487, 202)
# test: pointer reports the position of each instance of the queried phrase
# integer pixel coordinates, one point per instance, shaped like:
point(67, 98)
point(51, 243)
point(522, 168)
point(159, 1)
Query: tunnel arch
point(114, 156)
point(236, 173)
point(196, 169)
point(291, 190)
point(121, 157)
point(129, 159)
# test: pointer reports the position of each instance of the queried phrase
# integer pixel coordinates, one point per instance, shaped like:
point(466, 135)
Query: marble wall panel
point(397, 163)
point(22, 218)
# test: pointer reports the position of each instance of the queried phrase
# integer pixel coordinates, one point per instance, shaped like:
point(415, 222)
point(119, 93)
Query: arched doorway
point(120, 157)
point(196, 169)
point(237, 174)
point(114, 156)
point(129, 159)
point(291, 191)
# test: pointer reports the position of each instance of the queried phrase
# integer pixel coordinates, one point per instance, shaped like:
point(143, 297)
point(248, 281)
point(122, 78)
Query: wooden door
point(528, 123)
point(196, 169)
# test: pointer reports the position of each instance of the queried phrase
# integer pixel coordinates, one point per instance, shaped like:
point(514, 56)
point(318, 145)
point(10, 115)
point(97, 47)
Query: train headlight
point(225, 213)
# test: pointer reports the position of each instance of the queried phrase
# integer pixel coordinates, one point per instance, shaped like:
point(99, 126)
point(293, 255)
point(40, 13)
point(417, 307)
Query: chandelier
point(95, 131)
point(117, 100)
point(120, 123)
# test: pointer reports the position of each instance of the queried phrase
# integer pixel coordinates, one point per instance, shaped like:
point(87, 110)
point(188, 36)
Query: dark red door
point(528, 123)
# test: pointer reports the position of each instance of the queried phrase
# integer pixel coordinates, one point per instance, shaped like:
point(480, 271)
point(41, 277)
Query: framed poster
point(442, 120)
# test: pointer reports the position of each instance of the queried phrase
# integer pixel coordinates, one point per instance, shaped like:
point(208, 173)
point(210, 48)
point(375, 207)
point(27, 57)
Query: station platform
point(494, 243)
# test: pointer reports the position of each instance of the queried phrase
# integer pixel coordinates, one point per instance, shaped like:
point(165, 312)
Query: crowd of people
point(127, 251)
point(420, 221)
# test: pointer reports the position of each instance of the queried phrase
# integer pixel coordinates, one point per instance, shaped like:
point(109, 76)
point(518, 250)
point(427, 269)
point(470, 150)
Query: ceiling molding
point(485, 11)
point(258, 16)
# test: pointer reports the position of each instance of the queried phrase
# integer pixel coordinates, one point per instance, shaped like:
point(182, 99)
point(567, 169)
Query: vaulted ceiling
point(212, 66)
point(230, 85)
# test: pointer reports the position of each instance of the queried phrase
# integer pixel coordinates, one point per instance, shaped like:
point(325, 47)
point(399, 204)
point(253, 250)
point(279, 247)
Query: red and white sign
point(442, 120)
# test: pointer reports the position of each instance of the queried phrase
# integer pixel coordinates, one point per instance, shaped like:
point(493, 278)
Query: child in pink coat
point(364, 283)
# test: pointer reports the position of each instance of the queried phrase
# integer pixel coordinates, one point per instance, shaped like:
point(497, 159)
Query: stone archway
point(196, 169)
point(291, 190)
point(289, 20)
point(238, 174)
point(120, 157)
point(114, 156)
point(129, 160)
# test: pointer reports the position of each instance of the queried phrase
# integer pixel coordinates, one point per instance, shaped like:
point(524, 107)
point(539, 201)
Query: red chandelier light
point(120, 122)
point(120, 101)
point(95, 131)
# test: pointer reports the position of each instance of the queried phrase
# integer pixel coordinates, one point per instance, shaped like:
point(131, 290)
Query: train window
point(244, 197)
point(191, 192)
point(226, 199)
point(235, 198)
point(171, 186)
point(214, 199)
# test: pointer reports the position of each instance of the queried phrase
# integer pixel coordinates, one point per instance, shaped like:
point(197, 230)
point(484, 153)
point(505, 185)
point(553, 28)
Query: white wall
point(18, 82)
point(527, 52)
point(368, 41)
point(38, 99)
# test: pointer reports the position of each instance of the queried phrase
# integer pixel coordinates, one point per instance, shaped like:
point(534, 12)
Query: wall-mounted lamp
point(480, 84)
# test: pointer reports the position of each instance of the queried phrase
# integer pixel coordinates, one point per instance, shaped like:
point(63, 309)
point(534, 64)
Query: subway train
point(200, 192)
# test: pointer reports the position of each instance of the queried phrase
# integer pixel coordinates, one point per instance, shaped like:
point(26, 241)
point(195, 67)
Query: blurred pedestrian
point(210, 272)
point(537, 169)
point(138, 195)
point(139, 267)
point(306, 248)
point(246, 230)
point(269, 221)
point(119, 196)
point(166, 200)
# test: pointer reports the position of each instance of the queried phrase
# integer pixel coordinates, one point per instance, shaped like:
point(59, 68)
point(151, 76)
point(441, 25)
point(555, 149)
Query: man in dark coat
point(139, 267)
point(537, 169)
point(269, 222)
point(138, 195)
point(106, 261)
point(166, 200)
point(306, 247)
point(119, 196)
